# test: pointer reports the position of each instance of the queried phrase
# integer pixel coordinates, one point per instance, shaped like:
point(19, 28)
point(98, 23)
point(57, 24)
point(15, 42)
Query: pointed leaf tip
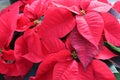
point(85, 50)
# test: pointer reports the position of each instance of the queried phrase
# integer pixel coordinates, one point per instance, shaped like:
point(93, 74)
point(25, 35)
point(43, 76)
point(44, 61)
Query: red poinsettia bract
point(61, 66)
point(31, 14)
point(65, 36)
point(81, 14)
point(8, 26)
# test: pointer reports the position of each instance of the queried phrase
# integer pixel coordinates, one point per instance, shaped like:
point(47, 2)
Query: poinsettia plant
point(60, 40)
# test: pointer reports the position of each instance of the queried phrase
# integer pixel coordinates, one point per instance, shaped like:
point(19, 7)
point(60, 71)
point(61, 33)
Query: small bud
point(36, 22)
point(74, 55)
point(83, 12)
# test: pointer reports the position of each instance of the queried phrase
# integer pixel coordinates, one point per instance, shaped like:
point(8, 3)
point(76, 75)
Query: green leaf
point(113, 69)
point(111, 66)
point(117, 75)
point(1, 77)
point(12, 1)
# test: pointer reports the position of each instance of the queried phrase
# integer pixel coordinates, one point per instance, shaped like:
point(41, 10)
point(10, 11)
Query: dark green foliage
point(12, 1)
point(1, 77)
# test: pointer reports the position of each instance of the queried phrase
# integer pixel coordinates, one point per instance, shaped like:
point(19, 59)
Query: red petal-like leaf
point(23, 23)
point(44, 71)
point(29, 47)
point(101, 71)
point(53, 69)
point(58, 25)
point(71, 70)
point(90, 26)
point(86, 51)
point(23, 66)
point(71, 5)
point(8, 55)
point(8, 69)
point(13, 78)
point(12, 67)
point(112, 29)
point(105, 1)
point(27, 1)
point(84, 4)
point(98, 6)
point(51, 45)
point(36, 9)
point(68, 70)
point(7, 26)
point(117, 6)
point(32, 12)
point(105, 54)
point(68, 44)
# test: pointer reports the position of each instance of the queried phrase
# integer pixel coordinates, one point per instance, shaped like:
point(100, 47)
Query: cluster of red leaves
point(65, 36)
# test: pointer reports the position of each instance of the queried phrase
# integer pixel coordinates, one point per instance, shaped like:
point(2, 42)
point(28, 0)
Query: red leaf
point(71, 70)
point(86, 51)
point(57, 25)
point(36, 9)
point(13, 78)
point(8, 24)
point(53, 68)
point(98, 6)
point(117, 6)
point(88, 5)
point(68, 43)
point(90, 26)
point(71, 5)
point(6, 68)
point(101, 71)
point(13, 67)
point(32, 12)
point(111, 32)
point(23, 23)
point(8, 55)
point(105, 54)
point(84, 4)
point(44, 71)
point(29, 47)
point(23, 66)
point(68, 70)
point(105, 1)
point(51, 45)
point(27, 1)
point(10, 70)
